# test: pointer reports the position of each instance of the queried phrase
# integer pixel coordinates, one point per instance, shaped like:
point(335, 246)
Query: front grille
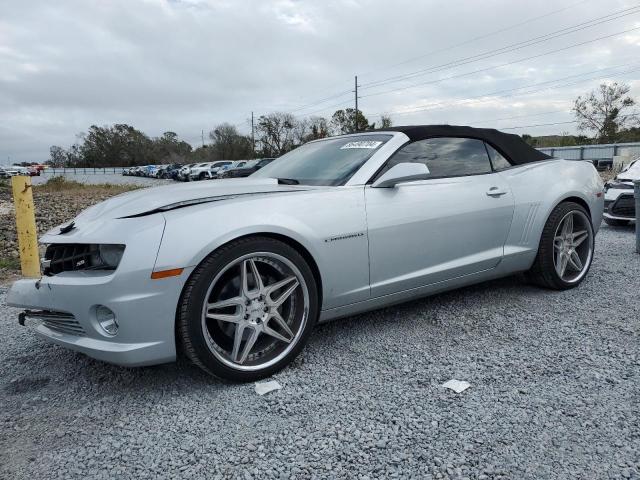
point(69, 257)
point(57, 321)
point(624, 206)
point(64, 257)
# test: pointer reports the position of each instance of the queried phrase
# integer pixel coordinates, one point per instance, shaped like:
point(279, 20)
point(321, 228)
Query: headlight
point(111, 254)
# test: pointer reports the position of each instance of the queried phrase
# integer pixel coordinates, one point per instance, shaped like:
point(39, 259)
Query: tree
point(343, 121)
point(169, 149)
point(318, 128)
point(385, 121)
point(118, 145)
point(57, 156)
point(276, 133)
point(228, 144)
point(601, 111)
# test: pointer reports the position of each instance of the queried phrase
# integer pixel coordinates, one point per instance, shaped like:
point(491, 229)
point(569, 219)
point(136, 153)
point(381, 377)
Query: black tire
point(189, 314)
point(613, 222)
point(543, 272)
point(202, 176)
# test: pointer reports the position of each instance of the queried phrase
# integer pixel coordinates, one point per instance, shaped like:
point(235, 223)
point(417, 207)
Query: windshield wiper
point(288, 181)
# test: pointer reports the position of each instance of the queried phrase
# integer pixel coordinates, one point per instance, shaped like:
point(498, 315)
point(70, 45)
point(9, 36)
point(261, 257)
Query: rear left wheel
point(248, 309)
point(566, 248)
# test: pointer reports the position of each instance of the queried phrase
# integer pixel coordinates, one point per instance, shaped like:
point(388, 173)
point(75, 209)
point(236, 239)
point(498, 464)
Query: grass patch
point(9, 263)
point(61, 184)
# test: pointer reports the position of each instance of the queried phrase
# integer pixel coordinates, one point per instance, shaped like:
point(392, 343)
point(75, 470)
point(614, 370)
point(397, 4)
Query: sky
point(188, 65)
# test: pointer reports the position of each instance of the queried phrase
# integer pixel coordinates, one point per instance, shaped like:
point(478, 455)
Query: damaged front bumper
point(65, 306)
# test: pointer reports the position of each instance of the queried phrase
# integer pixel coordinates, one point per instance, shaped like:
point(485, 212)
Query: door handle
point(496, 192)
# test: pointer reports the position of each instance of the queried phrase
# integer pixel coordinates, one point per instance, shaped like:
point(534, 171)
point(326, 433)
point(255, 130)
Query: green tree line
point(275, 134)
point(604, 115)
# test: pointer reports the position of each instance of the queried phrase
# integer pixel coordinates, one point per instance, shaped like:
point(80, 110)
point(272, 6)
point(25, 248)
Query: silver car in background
point(239, 271)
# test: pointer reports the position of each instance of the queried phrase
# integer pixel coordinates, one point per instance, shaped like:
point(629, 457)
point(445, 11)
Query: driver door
point(448, 226)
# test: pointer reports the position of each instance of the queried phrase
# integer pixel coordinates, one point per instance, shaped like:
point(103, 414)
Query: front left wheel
point(248, 309)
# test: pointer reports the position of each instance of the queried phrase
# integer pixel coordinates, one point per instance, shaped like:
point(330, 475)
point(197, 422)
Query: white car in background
point(619, 203)
point(204, 171)
point(183, 173)
point(13, 170)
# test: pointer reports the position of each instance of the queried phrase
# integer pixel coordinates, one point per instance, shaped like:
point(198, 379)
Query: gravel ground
point(555, 394)
point(115, 179)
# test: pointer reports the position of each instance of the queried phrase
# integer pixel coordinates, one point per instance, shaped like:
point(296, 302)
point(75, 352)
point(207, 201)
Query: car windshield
point(328, 162)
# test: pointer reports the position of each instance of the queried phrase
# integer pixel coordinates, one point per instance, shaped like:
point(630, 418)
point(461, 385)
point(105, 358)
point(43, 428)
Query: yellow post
point(26, 226)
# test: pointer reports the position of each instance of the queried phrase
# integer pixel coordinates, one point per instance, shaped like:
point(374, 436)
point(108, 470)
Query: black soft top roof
point(516, 150)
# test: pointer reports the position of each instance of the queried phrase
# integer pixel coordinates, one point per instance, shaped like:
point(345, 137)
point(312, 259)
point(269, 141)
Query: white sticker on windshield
point(368, 145)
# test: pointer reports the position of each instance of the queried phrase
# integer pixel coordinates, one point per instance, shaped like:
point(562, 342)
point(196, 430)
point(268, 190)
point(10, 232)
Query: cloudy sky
point(187, 65)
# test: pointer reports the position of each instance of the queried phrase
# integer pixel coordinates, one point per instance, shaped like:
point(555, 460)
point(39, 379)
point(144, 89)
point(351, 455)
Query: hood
point(631, 173)
point(155, 199)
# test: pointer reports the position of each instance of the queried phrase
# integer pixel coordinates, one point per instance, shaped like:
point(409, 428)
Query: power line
point(509, 48)
point(503, 64)
point(491, 96)
point(559, 123)
point(419, 108)
point(475, 39)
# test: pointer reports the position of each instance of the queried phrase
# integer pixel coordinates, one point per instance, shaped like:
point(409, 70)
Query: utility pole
point(202, 138)
point(253, 139)
point(355, 120)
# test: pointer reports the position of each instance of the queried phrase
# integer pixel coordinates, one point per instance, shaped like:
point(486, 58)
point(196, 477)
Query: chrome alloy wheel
point(255, 311)
point(573, 246)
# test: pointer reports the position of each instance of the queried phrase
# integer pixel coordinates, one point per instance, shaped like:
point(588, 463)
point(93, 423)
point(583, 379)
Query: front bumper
point(622, 207)
point(145, 309)
point(145, 314)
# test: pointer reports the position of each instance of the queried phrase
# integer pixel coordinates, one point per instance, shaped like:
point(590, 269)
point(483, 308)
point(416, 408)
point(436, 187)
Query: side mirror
point(401, 173)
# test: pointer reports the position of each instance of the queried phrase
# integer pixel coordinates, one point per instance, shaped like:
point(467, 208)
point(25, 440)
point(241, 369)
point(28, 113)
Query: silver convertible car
point(236, 273)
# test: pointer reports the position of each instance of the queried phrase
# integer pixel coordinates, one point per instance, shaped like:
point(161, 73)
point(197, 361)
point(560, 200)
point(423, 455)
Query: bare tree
point(601, 111)
point(319, 128)
point(228, 144)
point(276, 133)
point(57, 156)
point(385, 121)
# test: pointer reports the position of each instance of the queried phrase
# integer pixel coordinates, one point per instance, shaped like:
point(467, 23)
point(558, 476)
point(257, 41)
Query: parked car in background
point(3, 173)
point(171, 171)
point(216, 167)
point(207, 170)
point(246, 171)
point(184, 172)
point(33, 171)
point(235, 165)
point(236, 274)
point(17, 170)
point(199, 171)
point(160, 171)
point(619, 202)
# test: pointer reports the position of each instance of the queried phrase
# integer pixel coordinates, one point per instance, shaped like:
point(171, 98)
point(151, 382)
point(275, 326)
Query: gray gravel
point(555, 394)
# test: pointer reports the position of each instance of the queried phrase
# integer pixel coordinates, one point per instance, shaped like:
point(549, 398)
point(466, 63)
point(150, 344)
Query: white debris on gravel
point(457, 386)
point(263, 388)
point(557, 397)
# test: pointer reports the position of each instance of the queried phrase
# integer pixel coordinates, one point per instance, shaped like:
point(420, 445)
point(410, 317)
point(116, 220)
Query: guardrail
point(83, 171)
